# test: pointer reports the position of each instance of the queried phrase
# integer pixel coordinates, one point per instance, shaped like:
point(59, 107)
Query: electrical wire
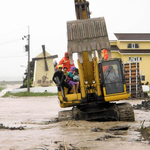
point(11, 41)
point(50, 50)
point(12, 31)
point(39, 51)
point(12, 56)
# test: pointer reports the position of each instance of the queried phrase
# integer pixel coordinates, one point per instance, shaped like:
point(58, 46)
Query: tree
point(25, 79)
point(55, 64)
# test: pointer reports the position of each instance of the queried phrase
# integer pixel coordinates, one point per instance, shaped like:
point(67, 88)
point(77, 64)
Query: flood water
point(36, 115)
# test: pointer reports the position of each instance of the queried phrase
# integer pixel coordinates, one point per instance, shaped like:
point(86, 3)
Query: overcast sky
point(47, 23)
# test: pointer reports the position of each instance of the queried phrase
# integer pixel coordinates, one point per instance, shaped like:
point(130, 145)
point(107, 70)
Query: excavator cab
point(112, 77)
point(112, 80)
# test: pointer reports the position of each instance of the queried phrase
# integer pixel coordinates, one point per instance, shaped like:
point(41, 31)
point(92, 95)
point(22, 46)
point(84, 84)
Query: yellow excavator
point(102, 82)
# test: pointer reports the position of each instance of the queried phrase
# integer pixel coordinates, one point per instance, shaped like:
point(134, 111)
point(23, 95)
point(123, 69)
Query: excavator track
point(101, 112)
point(126, 112)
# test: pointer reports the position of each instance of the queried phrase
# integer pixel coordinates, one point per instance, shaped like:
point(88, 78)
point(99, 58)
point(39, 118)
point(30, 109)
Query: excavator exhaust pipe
point(87, 35)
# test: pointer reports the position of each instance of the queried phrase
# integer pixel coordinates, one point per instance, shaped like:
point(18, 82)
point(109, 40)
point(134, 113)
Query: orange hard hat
point(66, 53)
point(104, 50)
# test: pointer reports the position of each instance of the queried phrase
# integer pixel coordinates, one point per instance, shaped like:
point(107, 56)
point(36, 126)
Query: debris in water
point(145, 132)
point(145, 105)
point(111, 129)
point(106, 137)
point(97, 130)
point(55, 120)
point(118, 128)
point(11, 128)
point(57, 142)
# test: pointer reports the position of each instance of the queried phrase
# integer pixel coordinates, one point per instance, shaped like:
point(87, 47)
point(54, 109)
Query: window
point(133, 45)
point(112, 78)
point(129, 45)
point(136, 45)
point(135, 59)
point(139, 59)
point(142, 77)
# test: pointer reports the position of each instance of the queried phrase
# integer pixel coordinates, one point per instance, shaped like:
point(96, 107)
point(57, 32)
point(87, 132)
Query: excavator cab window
point(112, 76)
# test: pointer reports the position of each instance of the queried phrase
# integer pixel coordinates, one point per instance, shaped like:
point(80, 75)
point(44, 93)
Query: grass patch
point(28, 94)
point(1, 88)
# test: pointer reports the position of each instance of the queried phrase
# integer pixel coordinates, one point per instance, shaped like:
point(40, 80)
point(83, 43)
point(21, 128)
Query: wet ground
point(37, 115)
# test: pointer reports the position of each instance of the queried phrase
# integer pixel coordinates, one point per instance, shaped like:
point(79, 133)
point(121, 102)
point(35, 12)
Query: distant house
point(132, 47)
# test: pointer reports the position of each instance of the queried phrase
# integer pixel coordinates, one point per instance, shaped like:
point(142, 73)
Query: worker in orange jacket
point(105, 56)
point(65, 62)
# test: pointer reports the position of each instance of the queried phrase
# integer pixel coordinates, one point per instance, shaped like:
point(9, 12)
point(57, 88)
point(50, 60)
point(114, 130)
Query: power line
point(10, 41)
point(12, 31)
point(51, 50)
point(39, 51)
point(12, 56)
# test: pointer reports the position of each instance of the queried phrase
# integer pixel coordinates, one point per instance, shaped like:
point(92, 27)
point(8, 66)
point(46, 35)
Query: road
point(40, 132)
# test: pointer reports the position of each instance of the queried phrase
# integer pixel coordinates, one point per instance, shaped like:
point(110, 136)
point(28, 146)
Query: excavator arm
point(82, 9)
point(86, 34)
point(85, 37)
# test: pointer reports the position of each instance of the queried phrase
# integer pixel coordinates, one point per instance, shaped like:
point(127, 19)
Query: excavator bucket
point(87, 35)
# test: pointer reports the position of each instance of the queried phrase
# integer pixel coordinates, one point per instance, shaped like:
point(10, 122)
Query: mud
point(43, 131)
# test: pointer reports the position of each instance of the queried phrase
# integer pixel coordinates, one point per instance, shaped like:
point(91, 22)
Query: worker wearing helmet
point(65, 62)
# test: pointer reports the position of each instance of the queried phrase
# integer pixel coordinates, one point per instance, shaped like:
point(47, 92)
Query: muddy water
point(36, 114)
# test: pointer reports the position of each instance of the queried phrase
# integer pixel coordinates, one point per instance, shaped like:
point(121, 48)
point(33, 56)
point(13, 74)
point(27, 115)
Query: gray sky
point(47, 22)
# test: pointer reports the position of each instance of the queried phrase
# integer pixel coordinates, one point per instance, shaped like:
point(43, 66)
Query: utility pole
point(27, 49)
point(28, 60)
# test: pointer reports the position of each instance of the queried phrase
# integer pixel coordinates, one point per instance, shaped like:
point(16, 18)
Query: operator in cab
point(111, 75)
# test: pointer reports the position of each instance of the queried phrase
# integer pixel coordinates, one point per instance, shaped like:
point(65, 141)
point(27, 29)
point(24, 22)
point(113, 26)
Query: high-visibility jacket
point(105, 53)
point(66, 63)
